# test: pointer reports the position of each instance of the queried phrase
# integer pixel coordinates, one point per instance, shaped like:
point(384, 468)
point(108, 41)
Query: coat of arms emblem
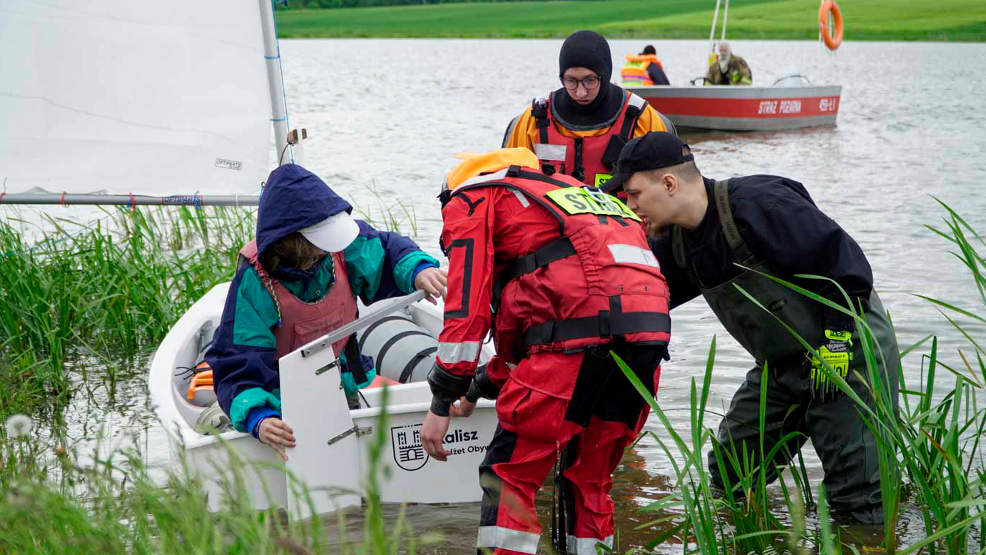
point(409, 454)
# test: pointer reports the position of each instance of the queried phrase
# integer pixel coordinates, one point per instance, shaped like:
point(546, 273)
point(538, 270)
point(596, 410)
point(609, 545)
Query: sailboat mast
point(275, 81)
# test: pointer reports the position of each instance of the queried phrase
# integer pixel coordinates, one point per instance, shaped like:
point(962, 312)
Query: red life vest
point(303, 322)
point(587, 159)
point(597, 281)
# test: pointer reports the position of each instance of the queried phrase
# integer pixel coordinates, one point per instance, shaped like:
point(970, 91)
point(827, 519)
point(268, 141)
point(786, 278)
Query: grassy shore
point(947, 20)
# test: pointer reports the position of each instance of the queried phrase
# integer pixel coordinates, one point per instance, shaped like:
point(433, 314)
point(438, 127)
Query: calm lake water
point(386, 116)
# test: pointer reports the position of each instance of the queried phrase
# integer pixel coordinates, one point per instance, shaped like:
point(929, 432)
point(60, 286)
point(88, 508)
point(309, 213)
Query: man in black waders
point(711, 236)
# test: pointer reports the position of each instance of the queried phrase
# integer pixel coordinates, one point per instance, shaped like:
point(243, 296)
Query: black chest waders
point(845, 445)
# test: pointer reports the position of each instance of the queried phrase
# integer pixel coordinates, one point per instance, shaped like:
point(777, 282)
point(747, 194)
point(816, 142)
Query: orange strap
point(201, 380)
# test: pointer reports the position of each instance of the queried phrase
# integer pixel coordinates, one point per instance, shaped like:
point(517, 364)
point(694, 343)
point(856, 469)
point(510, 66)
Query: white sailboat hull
point(334, 443)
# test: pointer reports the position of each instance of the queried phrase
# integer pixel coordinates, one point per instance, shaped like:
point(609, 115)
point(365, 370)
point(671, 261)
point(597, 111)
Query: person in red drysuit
point(564, 275)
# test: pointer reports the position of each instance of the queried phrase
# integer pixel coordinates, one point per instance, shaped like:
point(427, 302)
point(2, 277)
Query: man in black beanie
point(580, 129)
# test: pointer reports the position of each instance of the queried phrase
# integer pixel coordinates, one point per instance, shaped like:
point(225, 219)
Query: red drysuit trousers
point(593, 427)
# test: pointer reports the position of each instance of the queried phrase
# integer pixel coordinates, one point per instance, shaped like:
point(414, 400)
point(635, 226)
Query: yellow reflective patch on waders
point(587, 200)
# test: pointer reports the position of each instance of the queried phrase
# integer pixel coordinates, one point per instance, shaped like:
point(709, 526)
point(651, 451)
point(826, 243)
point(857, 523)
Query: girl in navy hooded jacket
point(300, 221)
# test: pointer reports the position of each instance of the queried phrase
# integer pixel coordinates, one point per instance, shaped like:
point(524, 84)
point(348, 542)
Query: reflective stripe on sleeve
point(632, 254)
point(451, 353)
point(505, 538)
point(586, 546)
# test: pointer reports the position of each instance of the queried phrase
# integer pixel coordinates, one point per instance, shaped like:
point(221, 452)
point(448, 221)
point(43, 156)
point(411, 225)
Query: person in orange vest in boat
point(562, 276)
point(728, 68)
point(298, 280)
point(644, 69)
point(581, 127)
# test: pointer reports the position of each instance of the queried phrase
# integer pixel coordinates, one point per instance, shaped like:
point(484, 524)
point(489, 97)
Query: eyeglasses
point(590, 83)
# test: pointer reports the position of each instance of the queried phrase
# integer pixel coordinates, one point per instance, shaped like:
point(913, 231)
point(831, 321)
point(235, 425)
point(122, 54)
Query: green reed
point(75, 307)
point(102, 293)
point(388, 213)
point(54, 500)
point(930, 452)
point(92, 503)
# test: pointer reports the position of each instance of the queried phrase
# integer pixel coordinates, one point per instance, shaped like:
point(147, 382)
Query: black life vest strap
point(555, 250)
point(539, 111)
point(605, 324)
point(630, 121)
point(578, 172)
point(519, 171)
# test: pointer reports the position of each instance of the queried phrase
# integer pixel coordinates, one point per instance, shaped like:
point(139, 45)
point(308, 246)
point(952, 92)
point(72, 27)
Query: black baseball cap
point(655, 150)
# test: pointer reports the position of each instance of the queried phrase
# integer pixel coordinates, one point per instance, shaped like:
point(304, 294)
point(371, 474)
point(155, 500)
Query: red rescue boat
point(737, 108)
point(792, 102)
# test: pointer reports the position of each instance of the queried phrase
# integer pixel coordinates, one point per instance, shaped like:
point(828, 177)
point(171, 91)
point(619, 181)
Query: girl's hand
point(274, 432)
point(432, 281)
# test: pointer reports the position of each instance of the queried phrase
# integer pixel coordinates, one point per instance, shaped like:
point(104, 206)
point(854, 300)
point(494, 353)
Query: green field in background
point(947, 20)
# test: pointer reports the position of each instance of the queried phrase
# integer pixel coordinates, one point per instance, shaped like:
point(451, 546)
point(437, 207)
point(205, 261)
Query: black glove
point(481, 386)
point(446, 388)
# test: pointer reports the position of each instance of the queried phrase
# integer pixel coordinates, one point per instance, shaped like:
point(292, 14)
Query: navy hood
point(294, 198)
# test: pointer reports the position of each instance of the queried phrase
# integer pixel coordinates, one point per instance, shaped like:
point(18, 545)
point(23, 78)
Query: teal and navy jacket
point(242, 356)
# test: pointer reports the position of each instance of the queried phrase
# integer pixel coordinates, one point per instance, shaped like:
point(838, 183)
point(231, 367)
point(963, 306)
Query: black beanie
point(586, 49)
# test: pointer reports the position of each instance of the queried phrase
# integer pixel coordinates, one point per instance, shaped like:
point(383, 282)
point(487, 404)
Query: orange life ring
point(833, 37)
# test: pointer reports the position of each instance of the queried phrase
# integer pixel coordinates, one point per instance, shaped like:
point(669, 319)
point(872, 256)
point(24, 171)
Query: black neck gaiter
point(599, 113)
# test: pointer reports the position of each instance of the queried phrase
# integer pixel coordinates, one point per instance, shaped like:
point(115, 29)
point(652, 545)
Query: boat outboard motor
point(401, 349)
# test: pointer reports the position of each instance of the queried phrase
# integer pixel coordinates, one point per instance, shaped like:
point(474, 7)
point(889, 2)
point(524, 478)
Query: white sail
point(133, 96)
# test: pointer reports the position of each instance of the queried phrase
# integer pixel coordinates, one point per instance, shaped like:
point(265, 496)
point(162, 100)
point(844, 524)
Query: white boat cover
point(124, 96)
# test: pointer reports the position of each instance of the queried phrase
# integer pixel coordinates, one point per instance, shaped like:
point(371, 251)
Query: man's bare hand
point(433, 432)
